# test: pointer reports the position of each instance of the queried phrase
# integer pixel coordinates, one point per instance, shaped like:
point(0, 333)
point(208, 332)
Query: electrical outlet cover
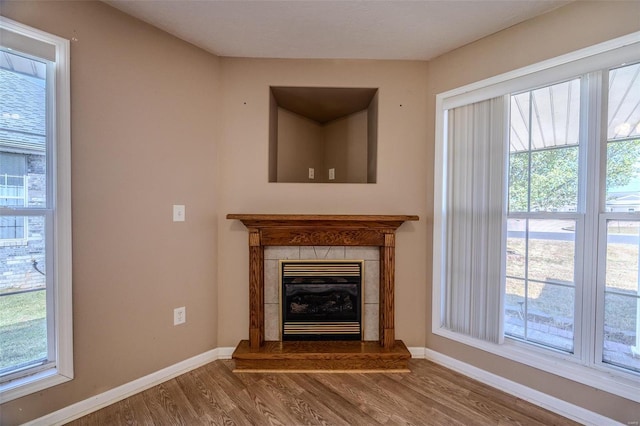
point(179, 315)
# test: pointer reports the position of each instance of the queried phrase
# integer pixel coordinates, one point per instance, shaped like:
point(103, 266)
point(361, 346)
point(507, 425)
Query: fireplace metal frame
point(280, 284)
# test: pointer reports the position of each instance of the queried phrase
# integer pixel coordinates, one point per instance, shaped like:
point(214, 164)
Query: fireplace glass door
point(321, 300)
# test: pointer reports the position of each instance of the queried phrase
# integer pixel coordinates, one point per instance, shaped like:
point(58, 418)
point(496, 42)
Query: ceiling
point(343, 29)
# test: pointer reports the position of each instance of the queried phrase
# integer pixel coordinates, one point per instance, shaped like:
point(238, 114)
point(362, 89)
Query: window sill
point(33, 383)
point(563, 365)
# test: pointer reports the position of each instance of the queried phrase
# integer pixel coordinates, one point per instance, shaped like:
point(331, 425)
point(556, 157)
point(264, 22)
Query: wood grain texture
point(256, 293)
point(324, 230)
point(387, 291)
point(429, 395)
point(322, 237)
point(271, 220)
point(321, 355)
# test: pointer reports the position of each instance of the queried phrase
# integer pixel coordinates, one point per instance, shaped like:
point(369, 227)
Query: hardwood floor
point(429, 395)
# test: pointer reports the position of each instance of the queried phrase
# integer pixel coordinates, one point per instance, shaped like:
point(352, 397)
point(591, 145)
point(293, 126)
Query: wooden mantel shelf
point(267, 220)
point(316, 230)
point(321, 230)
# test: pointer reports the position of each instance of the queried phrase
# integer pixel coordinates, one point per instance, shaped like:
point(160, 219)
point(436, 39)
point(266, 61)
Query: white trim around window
point(60, 370)
point(581, 366)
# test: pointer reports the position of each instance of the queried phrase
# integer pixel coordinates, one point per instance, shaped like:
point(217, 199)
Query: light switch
point(178, 213)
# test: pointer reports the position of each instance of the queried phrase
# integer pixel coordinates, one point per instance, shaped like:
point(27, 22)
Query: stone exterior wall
point(17, 257)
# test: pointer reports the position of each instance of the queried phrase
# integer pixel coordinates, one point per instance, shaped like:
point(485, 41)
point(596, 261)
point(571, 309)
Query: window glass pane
point(550, 310)
point(24, 331)
point(554, 180)
point(624, 102)
point(541, 252)
point(519, 122)
point(519, 182)
point(551, 255)
point(12, 227)
point(555, 115)
point(621, 326)
point(23, 310)
point(516, 247)
point(22, 131)
point(623, 238)
point(543, 147)
point(514, 308)
point(622, 295)
point(623, 177)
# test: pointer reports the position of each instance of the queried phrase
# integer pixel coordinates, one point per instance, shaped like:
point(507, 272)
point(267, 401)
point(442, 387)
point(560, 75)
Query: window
point(35, 231)
point(543, 215)
point(538, 216)
point(620, 344)
point(13, 191)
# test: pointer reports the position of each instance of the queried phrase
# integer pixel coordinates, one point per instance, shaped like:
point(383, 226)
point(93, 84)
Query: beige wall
point(300, 147)
point(303, 143)
point(575, 26)
point(346, 148)
point(151, 127)
point(401, 187)
point(143, 123)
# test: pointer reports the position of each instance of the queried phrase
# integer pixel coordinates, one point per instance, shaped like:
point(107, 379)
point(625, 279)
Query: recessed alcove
point(323, 134)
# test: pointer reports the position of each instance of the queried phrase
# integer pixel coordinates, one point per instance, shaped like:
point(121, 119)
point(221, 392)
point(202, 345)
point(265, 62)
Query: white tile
point(271, 322)
point(271, 282)
point(371, 281)
point(371, 318)
point(362, 253)
point(281, 252)
point(322, 252)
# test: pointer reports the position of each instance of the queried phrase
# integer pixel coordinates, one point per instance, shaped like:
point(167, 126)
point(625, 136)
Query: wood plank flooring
point(429, 395)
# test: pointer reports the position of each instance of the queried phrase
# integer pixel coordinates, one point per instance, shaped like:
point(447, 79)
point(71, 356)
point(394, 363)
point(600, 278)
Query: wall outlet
point(178, 213)
point(179, 315)
point(312, 173)
point(332, 174)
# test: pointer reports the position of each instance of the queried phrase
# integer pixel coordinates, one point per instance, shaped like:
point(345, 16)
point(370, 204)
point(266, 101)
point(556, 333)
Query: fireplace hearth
point(321, 300)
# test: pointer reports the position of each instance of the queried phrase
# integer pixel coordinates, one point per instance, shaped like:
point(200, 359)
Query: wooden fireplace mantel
point(321, 230)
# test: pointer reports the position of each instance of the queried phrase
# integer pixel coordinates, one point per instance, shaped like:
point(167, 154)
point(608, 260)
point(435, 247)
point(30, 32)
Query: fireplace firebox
point(321, 300)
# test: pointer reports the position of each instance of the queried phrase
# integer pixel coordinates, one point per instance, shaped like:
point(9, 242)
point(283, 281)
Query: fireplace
point(321, 300)
point(258, 355)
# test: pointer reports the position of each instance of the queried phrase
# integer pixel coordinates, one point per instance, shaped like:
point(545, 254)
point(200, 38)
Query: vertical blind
point(476, 146)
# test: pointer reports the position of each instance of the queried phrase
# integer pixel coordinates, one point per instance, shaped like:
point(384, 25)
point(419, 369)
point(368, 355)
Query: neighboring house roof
point(624, 201)
point(22, 113)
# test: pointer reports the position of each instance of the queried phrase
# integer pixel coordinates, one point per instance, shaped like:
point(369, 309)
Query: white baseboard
point(225, 352)
point(533, 396)
point(119, 393)
point(417, 353)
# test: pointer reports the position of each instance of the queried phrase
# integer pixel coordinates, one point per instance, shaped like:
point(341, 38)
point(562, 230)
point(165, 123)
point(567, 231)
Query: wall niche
point(323, 134)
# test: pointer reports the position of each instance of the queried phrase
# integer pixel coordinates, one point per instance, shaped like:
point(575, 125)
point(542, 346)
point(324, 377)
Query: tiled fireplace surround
point(272, 256)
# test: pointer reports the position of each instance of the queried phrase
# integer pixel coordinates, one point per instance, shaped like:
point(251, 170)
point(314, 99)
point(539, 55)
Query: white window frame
point(19, 241)
point(59, 251)
point(582, 366)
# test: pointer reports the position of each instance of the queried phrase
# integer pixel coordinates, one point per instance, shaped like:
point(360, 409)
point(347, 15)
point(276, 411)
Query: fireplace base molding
point(321, 230)
point(321, 356)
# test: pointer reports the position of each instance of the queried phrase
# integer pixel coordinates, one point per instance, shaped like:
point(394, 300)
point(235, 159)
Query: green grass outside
point(23, 328)
point(554, 260)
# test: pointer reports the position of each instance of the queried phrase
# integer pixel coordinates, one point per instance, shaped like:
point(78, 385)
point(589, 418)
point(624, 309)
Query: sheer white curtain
point(476, 166)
